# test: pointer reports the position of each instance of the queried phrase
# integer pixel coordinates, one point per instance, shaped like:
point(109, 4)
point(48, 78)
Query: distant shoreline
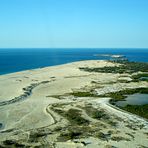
point(15, 60)
point(34, 69)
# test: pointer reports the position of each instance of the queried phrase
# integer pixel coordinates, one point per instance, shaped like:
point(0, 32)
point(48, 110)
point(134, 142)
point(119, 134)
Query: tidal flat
point(74, 105)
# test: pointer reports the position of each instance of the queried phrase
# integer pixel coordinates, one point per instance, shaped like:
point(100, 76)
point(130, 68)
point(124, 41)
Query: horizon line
point(73, 47)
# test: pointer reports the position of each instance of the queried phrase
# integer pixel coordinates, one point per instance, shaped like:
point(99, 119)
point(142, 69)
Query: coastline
point(45, 67)
point(51, 88)
point(14, 60)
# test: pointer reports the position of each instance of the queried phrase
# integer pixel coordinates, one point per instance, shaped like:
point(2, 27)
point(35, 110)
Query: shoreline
point(39, 68)
point(140, 57)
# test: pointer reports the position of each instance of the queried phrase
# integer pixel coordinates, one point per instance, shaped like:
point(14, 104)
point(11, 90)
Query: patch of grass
point(69, 135)
point(84, 94)
point(73, 116)
point(115, 131)
point(78, 127)
point(77, 94)
point(58, 128)
point(102, 136)
point(126, 67)
point(138, 77)
point(141, 110)
point(112, 123)
point(106, 69)
point(9, 142)
point(35, 136)
point(110, 146)
point(95, 113)
point(19, 145)
point(116, 95)
point(54, 96)
point(94, 82)
point(13, 143)
point(76, 132)
point(121, 95)
point(123, 81)
point(132, 136)
point(1, 125)
point(131, 126)
point(142, 146)
point(57, 96)
point(99, 114)
point(119, 138)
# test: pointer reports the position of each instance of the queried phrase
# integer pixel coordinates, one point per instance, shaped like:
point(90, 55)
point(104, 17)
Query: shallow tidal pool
point(135, 99)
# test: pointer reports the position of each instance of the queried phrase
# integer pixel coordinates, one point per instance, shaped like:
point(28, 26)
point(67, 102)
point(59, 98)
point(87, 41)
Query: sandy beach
point(30, 104)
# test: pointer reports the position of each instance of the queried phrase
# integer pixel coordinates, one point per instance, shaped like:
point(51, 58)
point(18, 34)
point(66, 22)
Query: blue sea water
point(14, 60)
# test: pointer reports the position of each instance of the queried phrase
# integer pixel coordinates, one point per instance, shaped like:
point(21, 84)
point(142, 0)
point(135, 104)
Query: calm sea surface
point(14, 60)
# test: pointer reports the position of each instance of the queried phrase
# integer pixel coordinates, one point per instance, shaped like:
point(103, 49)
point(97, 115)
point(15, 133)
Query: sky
point(73, 23)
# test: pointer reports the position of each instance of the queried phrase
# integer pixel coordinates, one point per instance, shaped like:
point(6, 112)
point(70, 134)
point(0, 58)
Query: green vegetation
point(76, 94)
point(37, 135)
point(141, 77)
point(79, 127)
point(99, 114)
point(12, 143)
point(112, 123)
point(9, 142)
point(71, 134)
point(106, 69)
point(84, 94)
point(121, 95)
point(123, 81)
point(141, 110)
point(73, 116)
point(126, 67)
point(77, 132)
point(132, 136)
point(119, 138)
point(102, 136)
point(95, 113)
point(55, 96)
point(109, 146)
point(1, 125)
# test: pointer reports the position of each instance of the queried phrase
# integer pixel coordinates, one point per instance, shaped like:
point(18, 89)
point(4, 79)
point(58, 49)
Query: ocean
point(14, 60)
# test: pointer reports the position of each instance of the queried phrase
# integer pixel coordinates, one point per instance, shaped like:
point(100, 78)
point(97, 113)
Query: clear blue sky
point(74, 23)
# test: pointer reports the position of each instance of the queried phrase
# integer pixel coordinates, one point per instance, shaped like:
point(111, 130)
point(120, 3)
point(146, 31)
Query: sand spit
point(38, 108)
